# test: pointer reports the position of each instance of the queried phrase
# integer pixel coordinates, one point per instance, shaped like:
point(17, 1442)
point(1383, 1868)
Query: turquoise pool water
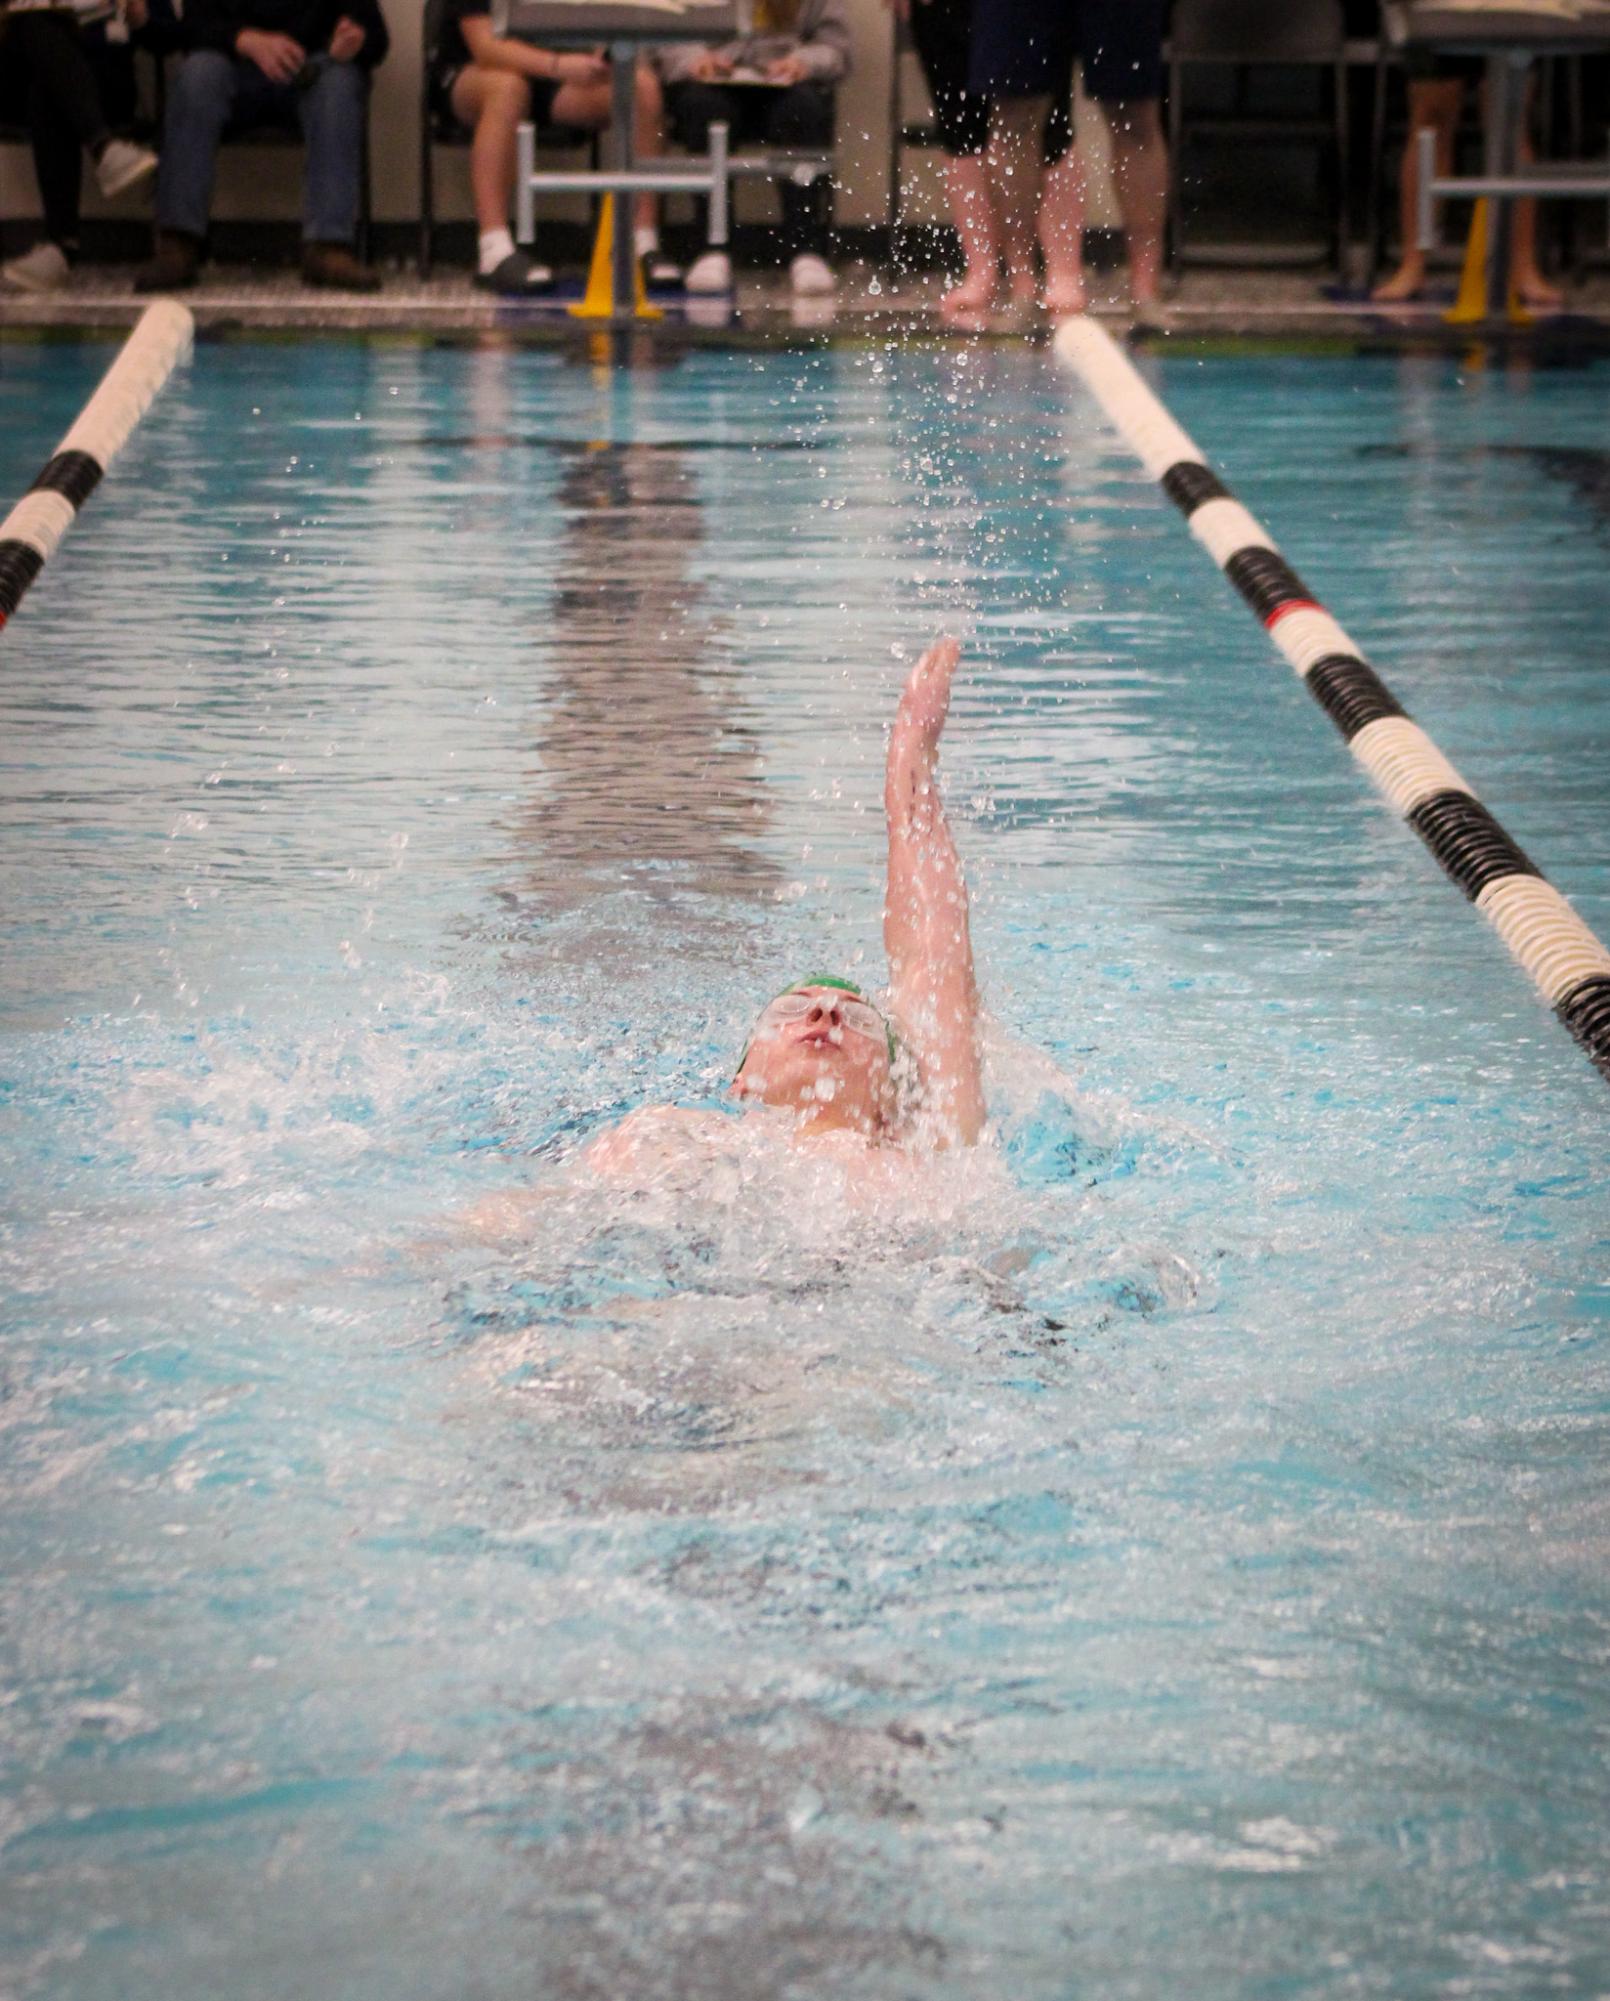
point(1169, 1558)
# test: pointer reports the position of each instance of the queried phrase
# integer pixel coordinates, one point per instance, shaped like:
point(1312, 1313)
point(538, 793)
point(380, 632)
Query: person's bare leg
point(1014, 173)
point(590, 107)
point(648, 136)
point(1525, 274)
point(973, 213)
point(1140, 174)
point(1062, 233)
point(1434, 102)
point(492, 102)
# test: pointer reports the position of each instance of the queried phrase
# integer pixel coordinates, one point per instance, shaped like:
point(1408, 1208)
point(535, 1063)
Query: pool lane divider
point(1567, 962)
point(31, 532)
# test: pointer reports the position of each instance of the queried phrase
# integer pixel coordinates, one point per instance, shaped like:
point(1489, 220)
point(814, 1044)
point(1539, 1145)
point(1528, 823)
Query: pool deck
point(1291, 306)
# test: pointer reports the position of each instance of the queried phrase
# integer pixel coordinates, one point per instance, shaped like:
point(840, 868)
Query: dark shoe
point(333, 266)
point(173, 268)
point(517, 277)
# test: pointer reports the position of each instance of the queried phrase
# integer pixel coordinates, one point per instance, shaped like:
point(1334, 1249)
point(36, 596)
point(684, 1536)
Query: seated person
point(827, 1068)
point(1437, 84)
point(491, 84)
point(67, 73)
point(774, 86)
point(256, 62)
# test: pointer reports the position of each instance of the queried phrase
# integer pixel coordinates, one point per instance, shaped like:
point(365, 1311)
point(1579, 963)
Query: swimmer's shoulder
point(648, 1135)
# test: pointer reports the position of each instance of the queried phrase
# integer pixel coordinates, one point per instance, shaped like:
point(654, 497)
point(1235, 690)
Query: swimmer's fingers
point(926, 701)
point(938, 664)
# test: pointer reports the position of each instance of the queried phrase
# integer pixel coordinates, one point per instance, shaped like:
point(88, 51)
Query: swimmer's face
point(812, 1059)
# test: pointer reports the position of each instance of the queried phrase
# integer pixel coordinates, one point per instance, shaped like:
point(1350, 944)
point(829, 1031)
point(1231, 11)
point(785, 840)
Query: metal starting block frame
point(800, 164)
point(709, 178)
point(624, 28)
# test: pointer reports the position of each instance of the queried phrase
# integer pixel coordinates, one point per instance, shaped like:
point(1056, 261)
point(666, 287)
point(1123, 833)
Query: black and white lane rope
point(1569, 965)
point(30, 532)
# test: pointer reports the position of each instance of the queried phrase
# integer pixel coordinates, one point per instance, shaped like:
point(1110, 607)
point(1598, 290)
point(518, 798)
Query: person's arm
point(925, 923)
point(691, 62)
point(823, 53)
point(496, 51)
point(366, 18)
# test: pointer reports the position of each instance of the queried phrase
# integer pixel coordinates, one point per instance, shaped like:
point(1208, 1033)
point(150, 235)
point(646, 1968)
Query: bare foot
point(970, 298)
point(1533, 289)
point(1064, 295)
point(1406, 283)
point(1018, 309)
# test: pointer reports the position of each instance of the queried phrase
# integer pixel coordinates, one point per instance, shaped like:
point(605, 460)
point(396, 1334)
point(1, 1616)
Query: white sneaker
point(810, 277)
point(123, 165)
point(710, 273)
point(42, 269)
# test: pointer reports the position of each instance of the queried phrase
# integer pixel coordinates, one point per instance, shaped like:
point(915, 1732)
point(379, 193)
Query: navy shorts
point(1025, 48)
point(942, 32)
point(543, 89)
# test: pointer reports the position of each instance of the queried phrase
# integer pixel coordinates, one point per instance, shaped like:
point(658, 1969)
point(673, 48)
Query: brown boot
point(334, 266)
point(177, 260)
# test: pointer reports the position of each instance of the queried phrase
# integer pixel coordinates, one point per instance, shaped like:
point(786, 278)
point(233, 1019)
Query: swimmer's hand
point(919, 723)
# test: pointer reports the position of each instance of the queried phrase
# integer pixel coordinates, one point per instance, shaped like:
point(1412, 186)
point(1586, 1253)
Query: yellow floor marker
point(1470, 306)
point(598, 301)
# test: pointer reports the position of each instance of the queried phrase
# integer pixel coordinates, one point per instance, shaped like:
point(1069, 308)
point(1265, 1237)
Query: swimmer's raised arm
point(925, 920)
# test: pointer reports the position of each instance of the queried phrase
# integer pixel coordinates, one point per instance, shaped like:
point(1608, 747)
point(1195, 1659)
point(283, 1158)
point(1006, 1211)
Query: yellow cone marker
point(598, 301)
point(1470, 306)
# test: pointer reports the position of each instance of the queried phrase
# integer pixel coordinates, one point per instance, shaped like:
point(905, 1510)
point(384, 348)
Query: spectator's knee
point(341, 83)
point(803, 115)
point(204, 87)
point(505, 96)
point(695, 107)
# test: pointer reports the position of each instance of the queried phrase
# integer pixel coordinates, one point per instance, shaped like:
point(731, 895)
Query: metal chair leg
point(1344, 203)
point(1374, 218)
point(365, 190)
point(427, 194)
point(1173, 222)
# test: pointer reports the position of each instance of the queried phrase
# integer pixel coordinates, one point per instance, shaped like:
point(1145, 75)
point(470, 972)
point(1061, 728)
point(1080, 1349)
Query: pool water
point(1170, 1556)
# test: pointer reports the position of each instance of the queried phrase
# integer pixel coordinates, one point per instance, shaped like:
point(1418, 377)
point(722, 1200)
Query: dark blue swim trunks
point(1025, 48)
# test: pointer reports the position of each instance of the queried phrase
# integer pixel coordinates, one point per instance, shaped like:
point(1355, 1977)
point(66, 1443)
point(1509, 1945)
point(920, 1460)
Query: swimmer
point(826, 1072)
point(828, 1068)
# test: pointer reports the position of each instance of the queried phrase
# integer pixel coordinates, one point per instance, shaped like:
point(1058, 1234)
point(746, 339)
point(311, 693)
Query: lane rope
point(1567, 962)
point(31, 532)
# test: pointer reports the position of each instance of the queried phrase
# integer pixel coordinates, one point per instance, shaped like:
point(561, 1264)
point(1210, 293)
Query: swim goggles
point(855, 1011)
point(858, 1017)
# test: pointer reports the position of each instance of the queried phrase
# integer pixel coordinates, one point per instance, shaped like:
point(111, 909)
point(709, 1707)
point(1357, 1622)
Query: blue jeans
point(214, 91)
